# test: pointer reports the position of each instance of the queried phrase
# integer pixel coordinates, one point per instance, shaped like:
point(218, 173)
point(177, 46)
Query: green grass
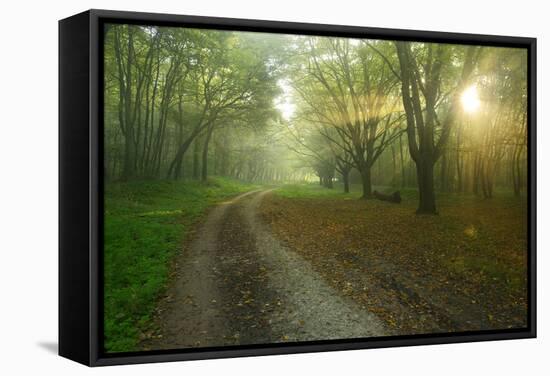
point(314, 190)
point(145, 223)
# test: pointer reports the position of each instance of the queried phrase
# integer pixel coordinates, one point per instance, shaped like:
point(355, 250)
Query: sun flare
point(470, 99)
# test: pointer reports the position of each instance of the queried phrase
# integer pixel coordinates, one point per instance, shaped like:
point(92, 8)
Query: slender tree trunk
point(204, 164)
point(394, 167)
point(196, 159)
point(444, 173)
point(129, 153)
point(477, 173)
point(459, 183)
point(179, 168)
point(175, 167)
point(224, 155)
point(516, 170)
point(401, 157)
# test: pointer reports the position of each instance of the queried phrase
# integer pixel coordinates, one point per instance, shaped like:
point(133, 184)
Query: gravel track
point(236, 284)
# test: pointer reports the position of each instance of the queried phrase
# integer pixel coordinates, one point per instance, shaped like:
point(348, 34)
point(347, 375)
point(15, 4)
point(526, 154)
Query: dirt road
point(237, 284)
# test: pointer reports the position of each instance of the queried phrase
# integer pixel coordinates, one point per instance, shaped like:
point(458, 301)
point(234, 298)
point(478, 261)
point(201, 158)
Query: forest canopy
point(185, 103)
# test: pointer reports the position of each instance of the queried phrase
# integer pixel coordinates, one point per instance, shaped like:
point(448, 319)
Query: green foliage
point(145, 224)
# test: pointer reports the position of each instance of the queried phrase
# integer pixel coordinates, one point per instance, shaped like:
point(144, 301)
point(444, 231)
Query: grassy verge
point(145, 223)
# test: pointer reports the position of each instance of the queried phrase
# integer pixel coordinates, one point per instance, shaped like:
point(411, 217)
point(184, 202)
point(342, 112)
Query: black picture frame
point(81, 186)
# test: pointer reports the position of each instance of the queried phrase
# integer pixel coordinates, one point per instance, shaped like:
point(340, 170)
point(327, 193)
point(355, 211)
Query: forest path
point(237, 284)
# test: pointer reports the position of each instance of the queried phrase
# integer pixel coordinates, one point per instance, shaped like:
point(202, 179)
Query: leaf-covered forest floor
point(145, 225)
point(464, 269)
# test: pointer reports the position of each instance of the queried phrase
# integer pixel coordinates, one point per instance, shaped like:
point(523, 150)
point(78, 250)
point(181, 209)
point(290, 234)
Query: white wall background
point(28, 185)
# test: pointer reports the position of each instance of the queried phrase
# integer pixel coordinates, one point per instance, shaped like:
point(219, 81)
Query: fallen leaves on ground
point(464, 269)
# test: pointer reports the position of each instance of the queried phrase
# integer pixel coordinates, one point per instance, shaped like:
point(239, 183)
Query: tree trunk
point(204, 164)
point(516, 170)
point(394, 167)
point(345, 178)
point(444, 173)
point(129, 153)
point(461, 162)
point(328, 180)
point(425, 176)
point(224, 156)
point(196, 159)
point(175, 167)
point(366, 180)
point(476, 174)
point(402, 159)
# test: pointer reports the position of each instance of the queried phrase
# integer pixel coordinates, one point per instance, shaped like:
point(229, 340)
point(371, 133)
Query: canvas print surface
point(273, 188)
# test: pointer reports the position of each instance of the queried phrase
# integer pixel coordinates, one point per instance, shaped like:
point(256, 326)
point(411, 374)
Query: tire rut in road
point(248, 302)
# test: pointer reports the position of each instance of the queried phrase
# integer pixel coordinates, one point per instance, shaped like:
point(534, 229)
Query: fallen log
point(395, 197)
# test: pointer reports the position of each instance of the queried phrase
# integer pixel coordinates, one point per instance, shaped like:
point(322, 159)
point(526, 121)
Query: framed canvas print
point(239, 187)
